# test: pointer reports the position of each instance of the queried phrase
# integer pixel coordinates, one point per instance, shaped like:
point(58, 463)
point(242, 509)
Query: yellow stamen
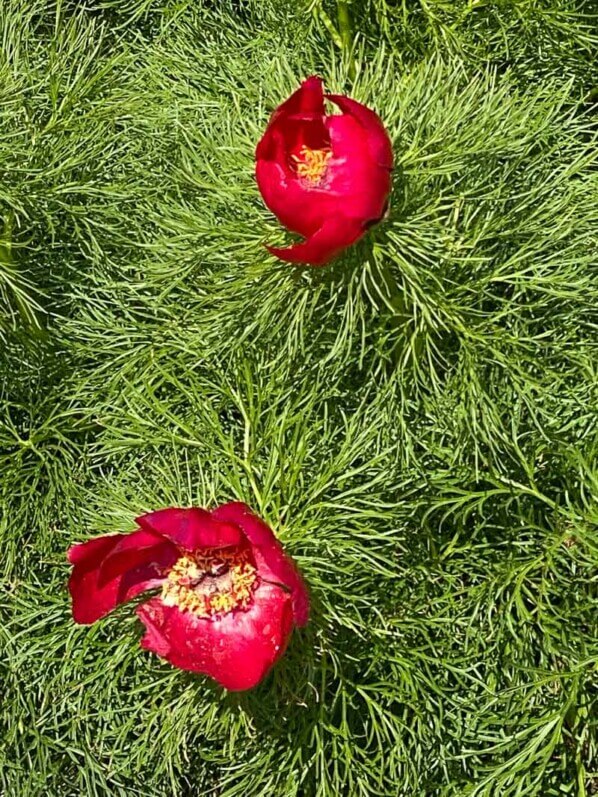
point(211, 584)
point(311, 164)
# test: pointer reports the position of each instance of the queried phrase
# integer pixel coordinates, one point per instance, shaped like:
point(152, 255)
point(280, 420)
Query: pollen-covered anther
point(212, 583)
point(311, 164)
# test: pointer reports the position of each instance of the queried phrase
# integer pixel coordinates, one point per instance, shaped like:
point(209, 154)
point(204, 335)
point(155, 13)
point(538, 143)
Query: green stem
point(6, 240)
point(346, 30)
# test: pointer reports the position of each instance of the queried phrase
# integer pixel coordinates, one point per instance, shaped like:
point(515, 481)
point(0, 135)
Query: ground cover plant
point(417, 420)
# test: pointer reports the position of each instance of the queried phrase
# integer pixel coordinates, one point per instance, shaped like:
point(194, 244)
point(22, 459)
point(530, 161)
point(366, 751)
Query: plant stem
point(346, 31)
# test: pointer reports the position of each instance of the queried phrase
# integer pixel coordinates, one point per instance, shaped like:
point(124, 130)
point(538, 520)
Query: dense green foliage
point(417, 421)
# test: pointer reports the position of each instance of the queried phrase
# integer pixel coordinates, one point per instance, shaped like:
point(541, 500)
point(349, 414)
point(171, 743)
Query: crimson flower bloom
point(229, 596)
point(326, 177)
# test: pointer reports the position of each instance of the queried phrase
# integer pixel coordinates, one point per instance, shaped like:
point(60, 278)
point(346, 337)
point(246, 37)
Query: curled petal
point(190, 529)
point(93, 596)
point(335, 234)
point(237, 650)
point(376, 135)
point(272, 562)
point(297, 121)
point(307, 101)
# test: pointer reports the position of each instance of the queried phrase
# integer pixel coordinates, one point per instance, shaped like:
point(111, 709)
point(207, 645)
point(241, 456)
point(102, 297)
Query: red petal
point(237, 650)
point(307, 100)
point(377, 138)
point(298, 208)
point(272, 562)
point(335, 234)
point(84, 553)
point(92, 599)
point(133, 549)
point(190, 529)
point(297, 121)
point(363, 184)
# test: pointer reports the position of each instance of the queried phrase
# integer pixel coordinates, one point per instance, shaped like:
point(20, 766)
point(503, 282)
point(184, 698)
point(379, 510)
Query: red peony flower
point(326, 177)
point(229, 595)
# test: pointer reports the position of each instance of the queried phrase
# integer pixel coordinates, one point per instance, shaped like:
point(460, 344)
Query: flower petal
point(135, 548)
point(236, 650)
point(272, 562)
point(335, 234)
point(299, 208)
point(91, 599)
point(84, 553)
point(363, 184)
point(377, 138)
point(306, 101)
point(296, 122)
point(190, 529)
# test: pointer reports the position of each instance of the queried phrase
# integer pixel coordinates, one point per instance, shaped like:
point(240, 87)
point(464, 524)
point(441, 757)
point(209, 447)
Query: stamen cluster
point(211, 584)
point(311, 164)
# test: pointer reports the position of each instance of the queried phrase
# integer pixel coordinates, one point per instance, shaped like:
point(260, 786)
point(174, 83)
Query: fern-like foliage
point(417, 421)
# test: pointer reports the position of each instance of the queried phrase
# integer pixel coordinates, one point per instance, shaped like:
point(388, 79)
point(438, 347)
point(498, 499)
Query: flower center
point(311, 164)
point(211, 583)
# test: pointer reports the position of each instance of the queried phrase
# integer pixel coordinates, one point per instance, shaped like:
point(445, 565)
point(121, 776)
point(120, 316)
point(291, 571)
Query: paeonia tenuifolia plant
point(326, 176)
point(227, 596)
